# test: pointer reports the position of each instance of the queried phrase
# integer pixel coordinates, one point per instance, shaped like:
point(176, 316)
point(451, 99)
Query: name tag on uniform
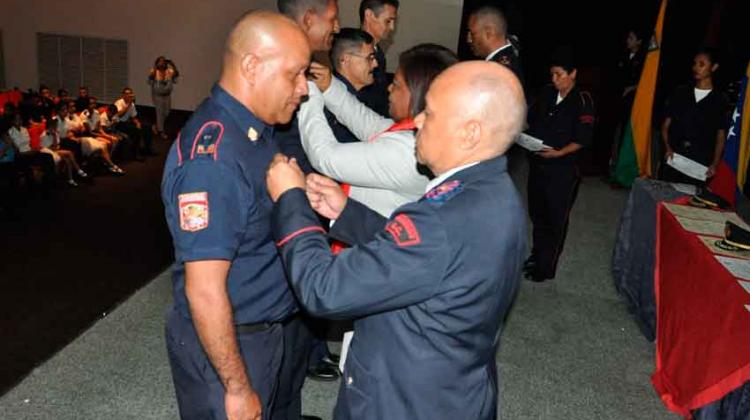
point(193, 211)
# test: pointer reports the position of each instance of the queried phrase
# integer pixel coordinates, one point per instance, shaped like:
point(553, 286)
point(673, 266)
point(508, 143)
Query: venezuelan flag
point(732, 170)
point(634, 157)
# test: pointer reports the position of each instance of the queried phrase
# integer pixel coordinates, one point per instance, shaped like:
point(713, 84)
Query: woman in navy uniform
point(563, 117)
point(428, 299)
point(696, 120)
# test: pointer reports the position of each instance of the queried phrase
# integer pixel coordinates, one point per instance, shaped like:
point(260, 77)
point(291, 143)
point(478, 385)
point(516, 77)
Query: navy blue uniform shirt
point(217, 207)
point(428, 289)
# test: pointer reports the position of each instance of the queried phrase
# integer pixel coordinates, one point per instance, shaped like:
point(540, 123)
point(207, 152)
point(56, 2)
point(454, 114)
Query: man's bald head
point(487, 30)
point(474, 112)
point(265, 49)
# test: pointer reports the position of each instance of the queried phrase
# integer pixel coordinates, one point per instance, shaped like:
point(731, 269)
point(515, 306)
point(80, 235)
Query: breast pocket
point(359, 388)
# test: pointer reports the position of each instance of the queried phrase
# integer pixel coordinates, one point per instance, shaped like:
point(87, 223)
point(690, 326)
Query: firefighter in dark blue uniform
point(428, 299)
point(233, 322)
point(563, 117)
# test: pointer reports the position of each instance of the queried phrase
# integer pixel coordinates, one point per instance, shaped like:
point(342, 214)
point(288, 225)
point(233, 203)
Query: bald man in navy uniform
point(234, 314)
point(429, 299)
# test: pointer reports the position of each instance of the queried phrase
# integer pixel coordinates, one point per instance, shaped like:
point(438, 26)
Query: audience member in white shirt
point(90, 146)
point(126, 120)
point(28, 157)
point(64, 159)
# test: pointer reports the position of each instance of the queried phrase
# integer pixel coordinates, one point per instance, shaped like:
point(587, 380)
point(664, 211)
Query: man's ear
point(308, 19)
point(250, 65)
point(714, 67)
point(469, 135)
point(369, 15)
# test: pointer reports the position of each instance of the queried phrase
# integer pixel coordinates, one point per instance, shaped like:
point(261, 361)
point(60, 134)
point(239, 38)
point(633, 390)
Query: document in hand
point(688, 167)
point(531, 143)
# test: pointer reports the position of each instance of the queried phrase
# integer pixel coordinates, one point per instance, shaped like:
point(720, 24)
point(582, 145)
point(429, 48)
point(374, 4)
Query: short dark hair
point(564, 57)
point(126, 89)
point(60, 92)
point(376, 6)
point(346, 40)
point(420, 65)
point(296, 8)
point(493, 15)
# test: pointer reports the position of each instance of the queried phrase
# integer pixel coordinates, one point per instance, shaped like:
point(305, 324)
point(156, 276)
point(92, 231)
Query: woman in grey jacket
point(381, 168)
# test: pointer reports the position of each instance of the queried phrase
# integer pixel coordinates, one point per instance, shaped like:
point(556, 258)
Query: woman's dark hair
point(564, 57)
point(420, 65)
point(161, 57)
point(710, 52)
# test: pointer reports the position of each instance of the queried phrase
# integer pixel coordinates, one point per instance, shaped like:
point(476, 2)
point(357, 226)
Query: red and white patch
point(586, 119)
point(193, 211)
point(403, 231)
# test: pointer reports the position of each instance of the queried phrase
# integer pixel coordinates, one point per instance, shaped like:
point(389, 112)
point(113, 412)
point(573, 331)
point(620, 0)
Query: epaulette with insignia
point(444, 192)
point(206, 142)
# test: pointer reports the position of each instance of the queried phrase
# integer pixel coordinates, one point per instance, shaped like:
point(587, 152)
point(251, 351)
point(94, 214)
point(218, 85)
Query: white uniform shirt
point(130, 113)
point(20, 138)
point(92, 119)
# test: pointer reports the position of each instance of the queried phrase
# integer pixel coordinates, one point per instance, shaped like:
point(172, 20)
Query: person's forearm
point(211, 311)
point(571, 147)
point(719, 148)
point(665, 133)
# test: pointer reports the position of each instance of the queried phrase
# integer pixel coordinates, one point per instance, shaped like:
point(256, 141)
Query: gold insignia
point(252, 134)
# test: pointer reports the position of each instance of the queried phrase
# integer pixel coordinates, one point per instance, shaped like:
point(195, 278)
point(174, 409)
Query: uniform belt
point(261, 326)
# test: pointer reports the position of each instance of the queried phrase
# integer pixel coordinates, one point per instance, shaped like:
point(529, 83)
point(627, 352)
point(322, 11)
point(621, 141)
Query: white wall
point(190, 32)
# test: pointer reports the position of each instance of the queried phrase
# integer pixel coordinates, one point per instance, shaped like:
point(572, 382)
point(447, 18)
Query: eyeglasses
point(369, 57)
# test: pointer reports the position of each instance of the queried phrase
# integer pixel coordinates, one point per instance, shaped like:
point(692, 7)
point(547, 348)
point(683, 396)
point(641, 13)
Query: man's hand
point(325, 196)
point(283, 174)
point(550, 153)
point(244, 405)
point(711, 171)
point(321, 75)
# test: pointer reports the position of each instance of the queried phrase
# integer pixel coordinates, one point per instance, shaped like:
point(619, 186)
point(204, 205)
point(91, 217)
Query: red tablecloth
point(703, 325)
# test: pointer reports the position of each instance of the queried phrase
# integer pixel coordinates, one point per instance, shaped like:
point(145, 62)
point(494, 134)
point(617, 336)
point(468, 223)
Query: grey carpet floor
point(570, 349)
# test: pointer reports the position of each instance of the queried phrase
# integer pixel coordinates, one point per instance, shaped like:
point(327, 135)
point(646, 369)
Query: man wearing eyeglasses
point(378, 18)
point(354, 63)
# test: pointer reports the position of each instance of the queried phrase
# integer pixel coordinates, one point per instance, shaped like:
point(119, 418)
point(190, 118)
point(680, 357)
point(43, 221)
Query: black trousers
point(552, 190)
point(275, 360)
point(140, 139)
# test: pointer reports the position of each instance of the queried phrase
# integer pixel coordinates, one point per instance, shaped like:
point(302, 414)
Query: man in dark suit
point(488, 39)
point(429, 301)
point(378, 18)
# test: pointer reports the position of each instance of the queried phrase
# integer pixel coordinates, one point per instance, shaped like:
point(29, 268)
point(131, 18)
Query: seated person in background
point(82, 102)
point(127, 121)
point(62, 97)
point(353, 60)
point(64, 160)
point(92, 121)
point(28, 157)
point(90, 146)
point(48, 102)
point(7, 170)
point(381, 168)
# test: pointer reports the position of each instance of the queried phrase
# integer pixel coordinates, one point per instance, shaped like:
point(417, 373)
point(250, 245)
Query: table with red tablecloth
point(703, 321)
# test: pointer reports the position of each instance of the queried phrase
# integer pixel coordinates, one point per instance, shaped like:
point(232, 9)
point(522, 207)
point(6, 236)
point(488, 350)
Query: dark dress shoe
point(331, 359)
point(323, 372)
point(534, 276)
point(308, 417)
point(530, 263)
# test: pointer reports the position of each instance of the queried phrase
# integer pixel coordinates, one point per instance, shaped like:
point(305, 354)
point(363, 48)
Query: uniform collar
point(497, 51)
point(349, 86)
point(245, 119)
point(467, 173)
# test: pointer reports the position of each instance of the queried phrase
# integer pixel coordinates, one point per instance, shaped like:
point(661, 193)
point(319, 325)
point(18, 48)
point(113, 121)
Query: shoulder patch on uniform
point(193, 209)
point(444, 192)
point(403, 231)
